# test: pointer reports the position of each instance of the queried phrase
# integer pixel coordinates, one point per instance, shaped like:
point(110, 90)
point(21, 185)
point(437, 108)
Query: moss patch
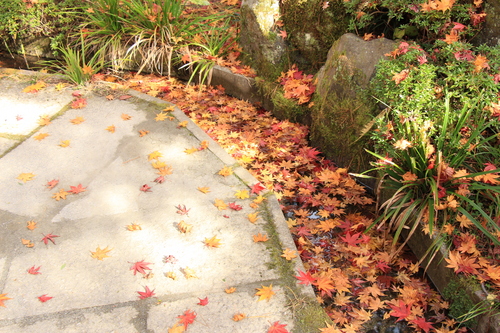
point(458, 292)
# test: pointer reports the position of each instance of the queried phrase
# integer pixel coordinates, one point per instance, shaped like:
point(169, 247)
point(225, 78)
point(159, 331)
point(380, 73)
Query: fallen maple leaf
point(212, 242)
point(41, 136)
point(230, 290)
point(124, 97)
point(235, 206)
point(187, 318)
point(257, 188)
point(305, 278)
point(252, 217)
point(276, 327)
point(34, 271)
point(100, 254)
point(60, 195)
point(260, 238)
point(189, 273)
point(31, 225)
point(242, 194)
point(77, 120)
point(171, 275)
point(140, 266)
point(145, 188)
point(154, 155)
point(159, 165)
point(177, 329)
point(79, 103)
point(27, 242)
point(182, 210)
point(220, 204)
point(184, 227)
point(143, 133)
point(401, 311)
point(26, 177)
point(182, 124)
point(289, 254)
point(35, 87)
point(3, 298)
point(65, 143)
point(146, 293)
point(51, 184)
point(133, 227)
point(203, 301)
point(111, 128)
point(204, 189)
point(126, 116)
point(47, 238)
point(77, 189)
point(265, 292)
point(44, 298)
point(226, 171)
point(44, 121)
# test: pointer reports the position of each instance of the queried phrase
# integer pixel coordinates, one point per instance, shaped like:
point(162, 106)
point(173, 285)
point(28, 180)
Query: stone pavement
point(117, 170)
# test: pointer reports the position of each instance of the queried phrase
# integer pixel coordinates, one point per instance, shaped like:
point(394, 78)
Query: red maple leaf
point(401, 312)
point(34, 271)
point(52, 183)
point(421, 323)
point(77, 189)
point(159, 179)
point(147, 293)
point(145, 188)
point(257, 188)
point(276, 327)
point(305, 278)
point(182, 209)
point(352, 240)
point(44, 298)
point(234, 206)
point(187, 318)
point(140, 266)
point(203, 301)
point(79, 103)
point(47, 238)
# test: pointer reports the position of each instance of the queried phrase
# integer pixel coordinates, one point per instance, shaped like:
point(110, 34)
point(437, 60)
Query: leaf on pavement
point(34, 270)
point(79, 103)
point(242, 194)
point(44, 121)
point(203, 301)
point(289, 254)
point(252, 217)
point(111, 128)
point(77, 120)
point(182, 210)
point(146, 293)
point(3, 298)
point(184, 227)
point(276, 327)
point(51, 184)
point(100, 254)
point(177, 329)
point(41, 136)
point(189, 273)
point(35, 87)
point(154, 155)
point(143, 133)
point(31, 225)
point(47, 238)
point(187, 318)
point(60, 195)
point(44, 298)
point(77, 189)
point(226, 171)
point(212, 242)
point(141, 267)
point(134, 227)
point(126, 116)
point(27, 242)
point(145, 188)
point(65, 143)
point(220, 204)
point(204, 189)
point(26, 177)
point(265, 293)
point(260, 238)
point(239, 316)
point(230, 290)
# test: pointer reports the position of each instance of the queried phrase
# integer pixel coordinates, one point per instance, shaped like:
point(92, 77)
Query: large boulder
point(342, 103)
point(259, 37)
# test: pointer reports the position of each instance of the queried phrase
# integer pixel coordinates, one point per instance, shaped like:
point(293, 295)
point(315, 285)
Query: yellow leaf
point(60, 195)
point(171, 275)
point(111, 128)
point(242, 194)
point(191, 150)
point(27, 242)
point(204, 189)
point(161, 116)
point(100, 254)
point(64, 143)
point(41, 136)
point(158, 165)
point(184, 227)
point(31, 225)
point(226, 171)
point(252, 217)
point(182, 124)
point(260, 238)
point(230, 290)
point(35, 87)
point(189, 273)
point(77, 120)
point(265, 292)
point(212, 242)
point(239, 316)
point(220, 204)
point(177, 329)
point(164, 171)
point(60, 86)
point(289, 254)
point(134, 227)
point(154, 155)
point(26, 177)
point(44, 121)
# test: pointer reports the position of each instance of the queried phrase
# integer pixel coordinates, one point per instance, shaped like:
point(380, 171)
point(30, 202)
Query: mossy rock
point(312, 30)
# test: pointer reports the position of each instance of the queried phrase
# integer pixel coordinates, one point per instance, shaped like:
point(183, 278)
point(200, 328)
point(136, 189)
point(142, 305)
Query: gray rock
point(491, 32)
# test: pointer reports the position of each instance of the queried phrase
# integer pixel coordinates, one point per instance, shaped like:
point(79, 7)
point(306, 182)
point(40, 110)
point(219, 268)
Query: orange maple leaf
point(265, 293)
point(3, 298)
point(398, 77)
point(260, 238)
point(212, 242)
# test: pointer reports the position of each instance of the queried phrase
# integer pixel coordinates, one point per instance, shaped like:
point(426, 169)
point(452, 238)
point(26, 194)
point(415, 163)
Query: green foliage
point(439, 136)
point(22, 19)
point(458, 293)
point(422, 20)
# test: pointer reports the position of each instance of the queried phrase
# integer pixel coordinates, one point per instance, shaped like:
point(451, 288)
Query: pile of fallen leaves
point(356, 278)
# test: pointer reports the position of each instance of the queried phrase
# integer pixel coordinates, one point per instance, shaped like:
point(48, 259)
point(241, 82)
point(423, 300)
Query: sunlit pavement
point(129, 182)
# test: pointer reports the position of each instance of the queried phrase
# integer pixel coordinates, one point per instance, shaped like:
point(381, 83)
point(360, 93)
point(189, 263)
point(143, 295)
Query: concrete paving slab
point(90, 295)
